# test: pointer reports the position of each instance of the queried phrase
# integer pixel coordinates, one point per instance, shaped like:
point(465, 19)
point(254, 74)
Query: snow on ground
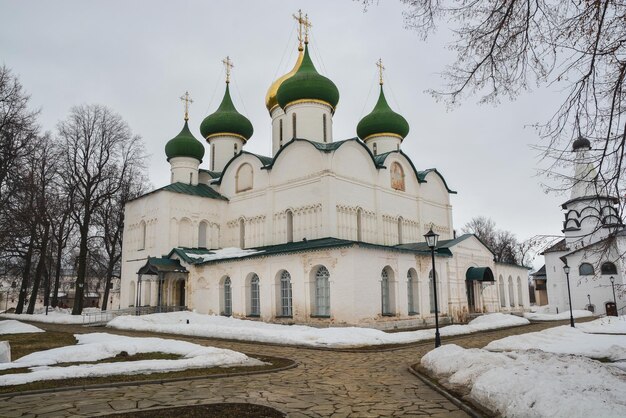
point(556, 317)
point(606, 325)
point(55, 316)
point(99, 346)
point(11, 326)
point(238, 329)
point(532, 383)
point(566, 340)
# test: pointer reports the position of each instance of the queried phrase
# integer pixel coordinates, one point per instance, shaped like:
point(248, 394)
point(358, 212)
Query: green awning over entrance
point(481, 274)
point(156, 265)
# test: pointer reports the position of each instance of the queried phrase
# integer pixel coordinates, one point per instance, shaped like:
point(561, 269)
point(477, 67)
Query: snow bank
point(532, 383)
point(606, 325)
point(99, 346)
point(11, 326)
point(238, 329)
point(55, 316)
point(556, 317)
point(566, 340)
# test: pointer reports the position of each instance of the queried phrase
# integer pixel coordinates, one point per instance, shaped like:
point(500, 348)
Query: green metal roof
point(382, 120)
point(212, 174)
point(307, 83)
point(184, 145)
point(292, 247)
point(200, 190)
point(481, 274)
point(156, 265)
point(226, 119)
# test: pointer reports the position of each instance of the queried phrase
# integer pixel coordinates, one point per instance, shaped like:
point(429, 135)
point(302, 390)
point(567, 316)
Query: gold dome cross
point(187, 99)
point(228, 64)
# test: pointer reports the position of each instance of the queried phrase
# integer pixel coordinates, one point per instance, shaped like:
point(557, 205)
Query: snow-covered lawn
point(11, 326)
point(238, 329)
point(536, 316)
point(606, 325)
point(99, 346)
point(55, 316)
point(532, 383)
point(546, 373)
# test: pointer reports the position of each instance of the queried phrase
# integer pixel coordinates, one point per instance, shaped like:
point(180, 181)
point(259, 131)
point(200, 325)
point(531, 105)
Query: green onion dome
point(226, 121)
point(382, 121)
point(184, 145)
point(307, 84)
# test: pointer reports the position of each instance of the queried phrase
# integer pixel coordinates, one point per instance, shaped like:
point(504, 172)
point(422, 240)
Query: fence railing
point(102, 317)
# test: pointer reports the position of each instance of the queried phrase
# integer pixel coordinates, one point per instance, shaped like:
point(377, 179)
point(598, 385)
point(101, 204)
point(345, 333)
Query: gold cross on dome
point(307, 25)
point(381, 68)
point(187, 99)
point(300, 21)
point(228, 64)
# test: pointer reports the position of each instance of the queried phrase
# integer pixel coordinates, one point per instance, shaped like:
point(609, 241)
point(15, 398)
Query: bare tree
point(109, 219)
point(100, 151)
point(506, 47)
point(504, 244)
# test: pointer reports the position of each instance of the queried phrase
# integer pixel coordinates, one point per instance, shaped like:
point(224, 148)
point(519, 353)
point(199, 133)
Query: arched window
point(359, 225)
point(432, 292)
point(242, 233)
point(285, 294)
point(289, 226)
point(520, 293)
point(280, 132)
point(255, 298)
point(384, 292)
point(608, 268)
point(202, 232)
point(142, 236)
point(228, 298)
point(324, 126)
point(586, 269)
point(511, 292)
point(244, 178)
point(322, 292)
point(375, 147)
point(293, 125)
point(502, 293)
point(235, 149)
point(397, 176)
point(400, 221)
point(412, 290)
point(212, 157)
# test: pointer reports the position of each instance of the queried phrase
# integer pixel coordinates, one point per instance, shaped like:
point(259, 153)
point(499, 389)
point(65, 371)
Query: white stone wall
point(222, 149)
point(184, 170)
point(309, 121)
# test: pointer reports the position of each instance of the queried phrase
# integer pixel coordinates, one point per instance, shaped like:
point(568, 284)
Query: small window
point(293, 124)
point(324, 126)
point(235, 149)
point(412, 292)
point(280, 132)
point(384, 292)
point(142, 236)
point(322, 292)
point(242, 233)
point(400, 222)
point(212, 156)
point(375, 146)
point(202, 233)
point(586, 269)
point(228, 298)
point(289, 226)
point(285, 294)
point(359, 225)
point(608, 268)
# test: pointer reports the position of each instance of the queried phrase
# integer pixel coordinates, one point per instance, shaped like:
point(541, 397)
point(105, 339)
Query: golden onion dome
point(270, 98)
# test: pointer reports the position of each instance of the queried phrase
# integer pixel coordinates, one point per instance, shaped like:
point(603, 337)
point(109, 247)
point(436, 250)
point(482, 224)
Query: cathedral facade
point(324, 231)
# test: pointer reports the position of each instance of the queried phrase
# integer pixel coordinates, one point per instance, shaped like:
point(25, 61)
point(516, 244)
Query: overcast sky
point(139, 57)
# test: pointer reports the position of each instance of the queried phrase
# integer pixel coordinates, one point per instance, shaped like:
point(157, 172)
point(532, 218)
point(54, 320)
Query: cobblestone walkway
point(325, 383)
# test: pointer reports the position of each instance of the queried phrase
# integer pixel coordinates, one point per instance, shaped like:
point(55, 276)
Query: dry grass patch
point(23, 344)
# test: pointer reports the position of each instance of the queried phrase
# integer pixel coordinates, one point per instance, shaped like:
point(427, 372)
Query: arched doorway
point(181, 292)
point(474, 278)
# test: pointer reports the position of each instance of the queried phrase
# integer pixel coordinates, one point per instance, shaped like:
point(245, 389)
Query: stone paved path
point(325, 383)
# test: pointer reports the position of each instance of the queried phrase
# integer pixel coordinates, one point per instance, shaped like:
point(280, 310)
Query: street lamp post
point(612, 279)
point(431, 241)
point(569, 296)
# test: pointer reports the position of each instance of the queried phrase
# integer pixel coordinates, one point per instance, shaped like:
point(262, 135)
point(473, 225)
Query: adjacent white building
point(324, 231)
point(593, 246)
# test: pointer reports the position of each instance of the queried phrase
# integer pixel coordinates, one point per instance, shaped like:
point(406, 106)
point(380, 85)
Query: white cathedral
point(323, 232)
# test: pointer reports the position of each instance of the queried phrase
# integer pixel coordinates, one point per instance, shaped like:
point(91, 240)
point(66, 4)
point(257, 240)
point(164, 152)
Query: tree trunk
point(57, 276)
point(41, 266)
point(25, 274)
point(107, 285)
point(82, 266)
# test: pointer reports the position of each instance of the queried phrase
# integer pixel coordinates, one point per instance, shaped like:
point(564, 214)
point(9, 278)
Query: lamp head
point(566, 269)
point(612, 279)
point(431, 239)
